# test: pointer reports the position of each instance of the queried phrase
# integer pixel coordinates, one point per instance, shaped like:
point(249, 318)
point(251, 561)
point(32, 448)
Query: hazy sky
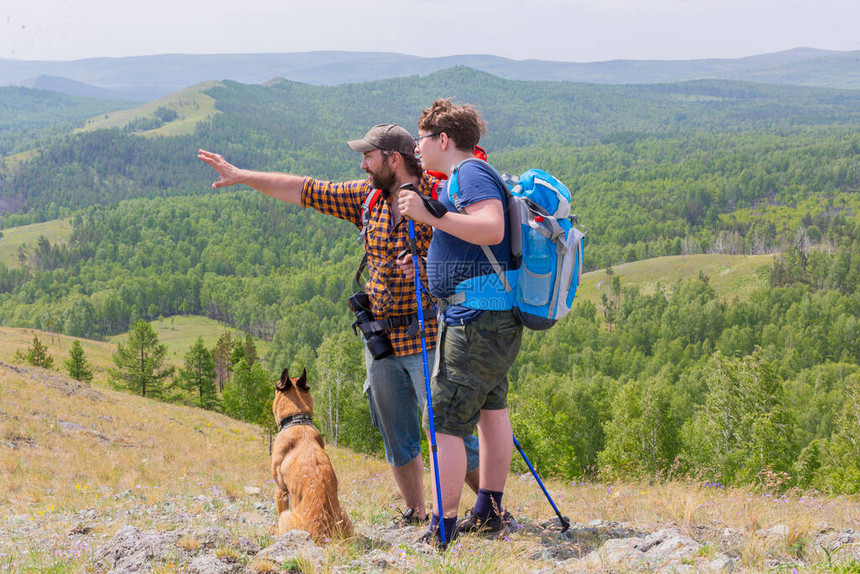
point(566, 30)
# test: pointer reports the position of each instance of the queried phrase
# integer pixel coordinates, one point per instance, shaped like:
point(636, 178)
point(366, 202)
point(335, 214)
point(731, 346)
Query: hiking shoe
point(409, 518)
point(433, 538)
point(471, 523)
point(508, 520)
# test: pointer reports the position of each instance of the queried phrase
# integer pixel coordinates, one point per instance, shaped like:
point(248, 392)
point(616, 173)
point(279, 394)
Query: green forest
point(761, 390)
point(34, 118)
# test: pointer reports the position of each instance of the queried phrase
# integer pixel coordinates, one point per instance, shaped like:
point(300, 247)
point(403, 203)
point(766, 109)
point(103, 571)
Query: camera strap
point(388, 323)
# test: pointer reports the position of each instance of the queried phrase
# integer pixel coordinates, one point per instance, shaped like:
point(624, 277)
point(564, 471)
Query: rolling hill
point(23, 240)
point(33, 118)
point(146, 78)
point(301, 128)
point(192, 106)
point(731, 276)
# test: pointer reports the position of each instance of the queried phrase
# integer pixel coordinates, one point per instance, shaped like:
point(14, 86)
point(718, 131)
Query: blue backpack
point(546, 250)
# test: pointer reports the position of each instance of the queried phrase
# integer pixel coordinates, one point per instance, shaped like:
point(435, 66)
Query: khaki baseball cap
point(387, 137)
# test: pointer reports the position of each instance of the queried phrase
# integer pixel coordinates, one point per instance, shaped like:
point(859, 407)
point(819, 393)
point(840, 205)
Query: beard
point(383, 178)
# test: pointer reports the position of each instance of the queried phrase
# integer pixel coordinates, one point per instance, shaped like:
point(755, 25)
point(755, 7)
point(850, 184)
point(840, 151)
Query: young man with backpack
point(395, 383)
point(475, 348)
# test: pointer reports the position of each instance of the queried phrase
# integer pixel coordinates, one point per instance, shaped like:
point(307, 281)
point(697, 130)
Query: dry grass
point(97, 353)
point(689, 503)
point(177, 333)
point(85, 446)
point(69, 451)
point(703, 511)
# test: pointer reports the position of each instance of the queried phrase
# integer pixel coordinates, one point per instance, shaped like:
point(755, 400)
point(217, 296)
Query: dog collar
point(298, 419)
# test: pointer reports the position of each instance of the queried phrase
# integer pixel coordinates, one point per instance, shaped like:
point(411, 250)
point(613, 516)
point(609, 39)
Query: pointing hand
point(230, 174)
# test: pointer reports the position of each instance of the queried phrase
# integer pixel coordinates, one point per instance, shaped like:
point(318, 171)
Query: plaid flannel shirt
point(390, 293)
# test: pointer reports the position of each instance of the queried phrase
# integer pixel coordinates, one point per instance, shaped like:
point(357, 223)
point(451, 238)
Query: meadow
point(180, 332)
point(731, 276)
point(26, 237)
point(191, 105)
point(177, 333)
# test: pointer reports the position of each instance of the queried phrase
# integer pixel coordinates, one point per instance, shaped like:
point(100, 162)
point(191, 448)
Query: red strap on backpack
point(480, 153)
point(367, 207)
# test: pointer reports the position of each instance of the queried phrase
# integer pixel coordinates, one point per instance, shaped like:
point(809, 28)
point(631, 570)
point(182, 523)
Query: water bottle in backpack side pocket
point(537, 267)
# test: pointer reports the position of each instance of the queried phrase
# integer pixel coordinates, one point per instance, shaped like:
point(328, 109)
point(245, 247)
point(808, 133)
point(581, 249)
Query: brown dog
point(301, 468)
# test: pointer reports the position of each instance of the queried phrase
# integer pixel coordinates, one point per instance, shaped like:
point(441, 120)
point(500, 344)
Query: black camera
point(377, 341)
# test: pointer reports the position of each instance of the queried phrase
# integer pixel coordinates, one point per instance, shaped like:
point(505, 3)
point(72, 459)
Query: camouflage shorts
point(471, 371)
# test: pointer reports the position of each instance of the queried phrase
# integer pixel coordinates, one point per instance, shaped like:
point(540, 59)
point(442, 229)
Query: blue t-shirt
point(451, 260)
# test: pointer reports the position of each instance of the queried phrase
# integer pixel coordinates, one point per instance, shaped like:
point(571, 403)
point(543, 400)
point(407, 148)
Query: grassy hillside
point(731, 276)
point(56, 231)
point(98, 353)
point(180, 332)
point(177, 333)
point(162, 468)
point(118, 451)
point(191, 105)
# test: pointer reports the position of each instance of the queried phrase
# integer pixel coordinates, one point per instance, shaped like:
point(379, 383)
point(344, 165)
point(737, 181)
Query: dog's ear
point(285, 381)
point(302, 383)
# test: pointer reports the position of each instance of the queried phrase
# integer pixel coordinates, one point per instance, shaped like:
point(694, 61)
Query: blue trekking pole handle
point(413, 246)
point(565, 524)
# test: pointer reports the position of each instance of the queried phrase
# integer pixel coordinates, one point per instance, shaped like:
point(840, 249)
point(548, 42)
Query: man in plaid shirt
point(395, 384)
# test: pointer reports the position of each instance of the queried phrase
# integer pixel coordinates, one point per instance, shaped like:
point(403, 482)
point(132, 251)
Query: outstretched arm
point(283, 186)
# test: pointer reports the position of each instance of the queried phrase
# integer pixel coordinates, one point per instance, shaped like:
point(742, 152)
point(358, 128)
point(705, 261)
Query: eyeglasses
point(419, 138)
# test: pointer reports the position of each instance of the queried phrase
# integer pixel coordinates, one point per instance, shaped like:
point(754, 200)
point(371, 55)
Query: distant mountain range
point(74, 88)
point(145, 78)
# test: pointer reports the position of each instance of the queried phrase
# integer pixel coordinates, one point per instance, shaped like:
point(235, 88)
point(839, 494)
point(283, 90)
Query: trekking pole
point(420, 305)
point(565, 523)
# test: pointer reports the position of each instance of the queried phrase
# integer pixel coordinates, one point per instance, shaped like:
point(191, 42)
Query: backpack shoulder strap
point(454, 196)
point(366, 209)
point(454, 188)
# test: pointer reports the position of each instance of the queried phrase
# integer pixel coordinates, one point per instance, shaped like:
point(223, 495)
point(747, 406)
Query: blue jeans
point(396, 392)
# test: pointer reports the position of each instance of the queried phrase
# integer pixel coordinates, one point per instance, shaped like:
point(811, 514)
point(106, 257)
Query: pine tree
point(37, 355)
point(238, 355)
point(250, 350)
point(221, 356)
point(199, 374)
point(140, 362)
point(612, 302)
point(77, 366)
point(248, 395)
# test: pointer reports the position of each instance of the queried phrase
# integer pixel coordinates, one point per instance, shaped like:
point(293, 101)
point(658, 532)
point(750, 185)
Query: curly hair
point(462, 123)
